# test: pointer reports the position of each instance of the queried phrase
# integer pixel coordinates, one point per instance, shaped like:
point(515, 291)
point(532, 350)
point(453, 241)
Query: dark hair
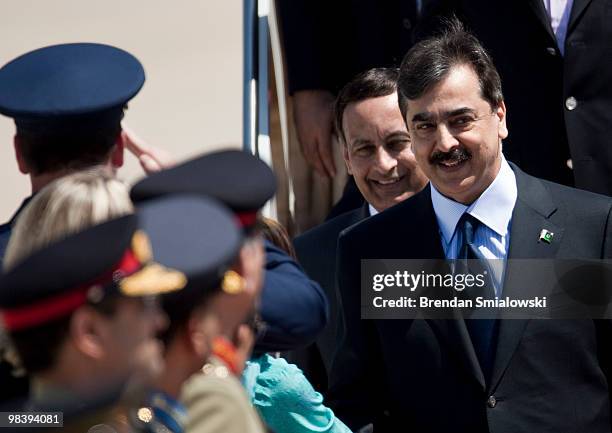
point(430, 60)
point(276, 233)
point(39, 347)
point(372, 83)
point(179, 307)
point(47, 152)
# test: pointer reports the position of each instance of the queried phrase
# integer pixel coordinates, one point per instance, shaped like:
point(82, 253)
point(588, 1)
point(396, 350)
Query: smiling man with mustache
point(472, 376)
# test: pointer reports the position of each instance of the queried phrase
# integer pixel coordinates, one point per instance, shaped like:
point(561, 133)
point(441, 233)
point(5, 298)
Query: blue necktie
point(482, 331)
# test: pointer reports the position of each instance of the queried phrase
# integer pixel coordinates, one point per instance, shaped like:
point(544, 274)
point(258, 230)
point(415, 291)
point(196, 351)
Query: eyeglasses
point(456, 124)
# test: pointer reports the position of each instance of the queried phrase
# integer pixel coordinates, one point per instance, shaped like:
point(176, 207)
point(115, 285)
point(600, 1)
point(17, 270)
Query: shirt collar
point(493, 208)
point(371, 210)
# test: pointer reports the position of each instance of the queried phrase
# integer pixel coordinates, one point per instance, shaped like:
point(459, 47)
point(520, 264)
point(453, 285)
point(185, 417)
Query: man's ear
point(117, 151)
point(86, 332)
point(21, 163)
point(198, 339)
point(501, 115)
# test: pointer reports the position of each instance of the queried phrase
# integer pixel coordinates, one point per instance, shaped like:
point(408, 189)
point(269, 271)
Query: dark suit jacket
point(14, 389)
point(316, 250)
point(537, 81)
point(328, 42)
point(548, 375)
point(6, 228)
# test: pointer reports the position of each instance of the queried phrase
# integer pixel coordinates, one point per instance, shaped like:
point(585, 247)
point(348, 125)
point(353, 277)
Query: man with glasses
point(472, 375)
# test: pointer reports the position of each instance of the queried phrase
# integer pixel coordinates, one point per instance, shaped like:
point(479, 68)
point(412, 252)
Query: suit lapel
point(537, 7)
point(577, 9)
point(455, 332)
point(531, 214)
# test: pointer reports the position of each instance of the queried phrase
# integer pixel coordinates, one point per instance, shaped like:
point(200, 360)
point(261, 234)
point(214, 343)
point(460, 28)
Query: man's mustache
point(458, 154)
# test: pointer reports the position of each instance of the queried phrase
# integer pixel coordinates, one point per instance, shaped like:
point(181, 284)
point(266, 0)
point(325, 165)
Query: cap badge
point(141, 247)
point(233, 283)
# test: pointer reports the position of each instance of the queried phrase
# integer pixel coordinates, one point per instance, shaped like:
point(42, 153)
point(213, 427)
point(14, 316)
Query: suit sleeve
point(293, 306)
point(356, 393)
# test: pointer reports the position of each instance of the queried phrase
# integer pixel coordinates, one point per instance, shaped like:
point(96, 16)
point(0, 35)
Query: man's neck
point(53, 386)
point(39, 181)
point(180, 365)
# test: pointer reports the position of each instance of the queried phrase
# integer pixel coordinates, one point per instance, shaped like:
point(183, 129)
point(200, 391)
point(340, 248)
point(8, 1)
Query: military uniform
point(5, 229)
point(61, 87)
point(244, 183)
point(100, 415)
point(216, 402)
point(115, 259)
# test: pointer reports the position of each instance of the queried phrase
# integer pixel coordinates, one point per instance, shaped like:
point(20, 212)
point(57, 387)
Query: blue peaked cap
point(68, 85)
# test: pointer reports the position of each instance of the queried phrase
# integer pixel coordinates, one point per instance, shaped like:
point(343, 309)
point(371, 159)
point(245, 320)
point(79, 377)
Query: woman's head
point(67, 205)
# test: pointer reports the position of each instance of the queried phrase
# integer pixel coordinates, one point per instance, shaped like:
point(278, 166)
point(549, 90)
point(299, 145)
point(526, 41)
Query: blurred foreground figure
point(244, 183)
point(61, 208)
point(77, 201)
point(68, 101)
point(83, 319)
point(211, 305)
point(66, 206)
point(215, 399)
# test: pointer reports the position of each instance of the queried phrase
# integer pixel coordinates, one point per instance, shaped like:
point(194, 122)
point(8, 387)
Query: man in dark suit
point(554, 58)
point(377, 152)
point(472, 376)
point(326, 45)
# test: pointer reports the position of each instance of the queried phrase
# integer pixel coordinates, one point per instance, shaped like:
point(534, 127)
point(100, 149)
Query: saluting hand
point(151, 158)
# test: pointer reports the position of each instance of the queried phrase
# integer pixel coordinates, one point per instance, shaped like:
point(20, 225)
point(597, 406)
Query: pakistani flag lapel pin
point(546, 236)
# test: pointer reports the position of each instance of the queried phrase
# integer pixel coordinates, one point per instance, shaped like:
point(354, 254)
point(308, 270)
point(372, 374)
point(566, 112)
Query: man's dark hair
point(39, 347)
point(179, 307)
point(372, 83)
point(430, 60)
point(47, 152)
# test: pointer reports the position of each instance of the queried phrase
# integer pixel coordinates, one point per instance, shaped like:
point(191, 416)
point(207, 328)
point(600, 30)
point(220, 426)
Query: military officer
point(67, 101)
point(215, 399)
point(81, 311)
point(244, 183)
point(197, 313)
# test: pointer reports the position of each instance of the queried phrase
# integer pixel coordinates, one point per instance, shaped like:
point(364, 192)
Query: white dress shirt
point(494, 211)
point(559, 13)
